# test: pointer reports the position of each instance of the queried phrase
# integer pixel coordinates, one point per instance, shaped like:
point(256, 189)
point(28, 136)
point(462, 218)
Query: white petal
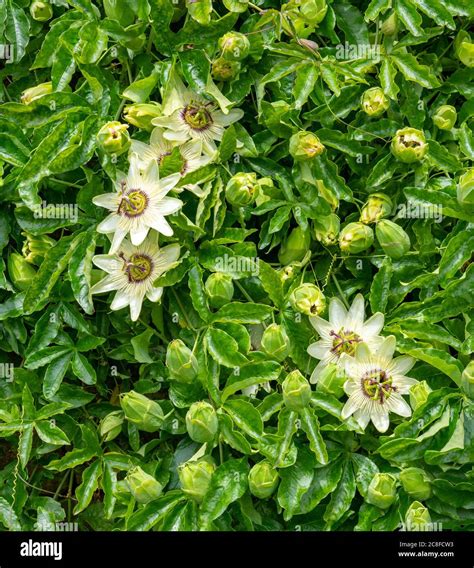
point(317, 371)
point(179, 136)
point(160, 224)
point(109, 224)
point(401, 365)
point(168, 256)
point(350, 387)
point(318, 349)
point(322, 326)
point(119, 235)
point(363, 418)
point(226, 119)
point(403, 383)
point(107, 284)
point(356, 312)
point(387, 348)
point(169, 205)
point(350, 407)
point(398, 405)
point(107, 200)
point(106, 262)
point(337, 313)
point(379, 417)
point(373, 326)
point(120, 301)
point(362, 352)
point(154, 294)
point(135, 306)
point(138, 234)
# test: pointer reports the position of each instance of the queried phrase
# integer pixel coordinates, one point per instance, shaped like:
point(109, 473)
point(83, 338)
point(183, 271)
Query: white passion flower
point(138, 205)
point(132, 271)
point(344, 330)
point(194, 118)
point(160, 147)
point(376, 383)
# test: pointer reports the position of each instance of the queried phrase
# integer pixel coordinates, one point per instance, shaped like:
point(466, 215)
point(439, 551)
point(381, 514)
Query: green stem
point(339, 289)
point(64, 182)
point(183, 311)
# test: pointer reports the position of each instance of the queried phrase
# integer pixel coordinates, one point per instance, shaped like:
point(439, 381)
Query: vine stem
point(339, 289)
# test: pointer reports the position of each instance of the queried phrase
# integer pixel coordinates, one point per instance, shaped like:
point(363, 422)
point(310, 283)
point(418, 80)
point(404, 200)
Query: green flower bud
point(263, 479)
point(242, 189)
point(467, 380)
point(465, 189)
point(20, 271)
point(295, 247)
point(195, 477)
point(326, 229)
point(296, 391)
point(305, 146)
point(313, 12)
point(219, 289)
point(417, 517)
point(445, 117)
point(201, 422)
point(331, 381)
point(41, 11)
point(377, 206)
point(416, 483)
point(275, 342)
point(308, 299)
point(419, 394)
point(225, 69)
point(234, 46)
point(145, 413)
point(143, 486)
point(238, 6)
point(464, 48)
point(33, 93)
point(181, 362)
point(286, 273)
point(111, 425)
point(390, 26)
point(409, 145)
point(35, 247)
point(374, 102)
point(355, 238)
point(141, 114)
point(382, 490)
point(114, 138)
point(392, 238)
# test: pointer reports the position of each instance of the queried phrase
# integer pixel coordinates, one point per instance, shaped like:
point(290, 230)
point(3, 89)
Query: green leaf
point(380, 289)
point(89, 484)
point(50, 433)
point(228, 483)
point(55, 373)
point(271, 282)
point(342, 496)
point(223, 348)
point(148, 516)
point(8, 517)
point(233, 437)
point(387, 77)
point(198, 295)
point(83, 369)
point(327, 171)
point(17, 28)
point(351, 22)
point(295, 482)
point(304, 84)
point(55, 261)
point(250, 375)
point(442, 158)
point(240, 312)
point(375, 8)
point(200, 10)
point(245, 416)
point(80, 266)
point(414, 71)
point(436, 10)
point(310, 425)
point(409, 16)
